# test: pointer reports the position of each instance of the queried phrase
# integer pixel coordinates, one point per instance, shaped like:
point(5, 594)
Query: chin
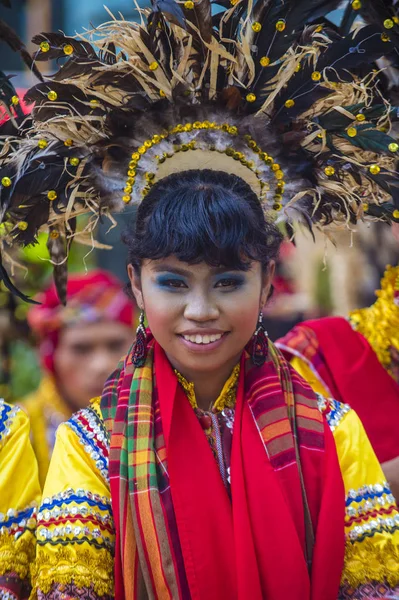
point(204, 363)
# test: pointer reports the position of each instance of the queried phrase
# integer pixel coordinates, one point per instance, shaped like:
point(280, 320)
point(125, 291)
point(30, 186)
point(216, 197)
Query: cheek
point(243, 314)
point(69, 368)
point(162, 311)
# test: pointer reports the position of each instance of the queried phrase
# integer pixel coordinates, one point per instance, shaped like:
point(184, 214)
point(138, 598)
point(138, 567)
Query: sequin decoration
point(369, 510)
point(253, 159)
point(16, 522)
point(7, 414)
point(333, 410)
point(92, 435)
point(78, 516)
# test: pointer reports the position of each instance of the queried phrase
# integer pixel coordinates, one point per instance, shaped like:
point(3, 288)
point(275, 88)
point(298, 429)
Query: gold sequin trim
point(85, 568)
point(366, 561)
point(16, 556)
point(379, 323)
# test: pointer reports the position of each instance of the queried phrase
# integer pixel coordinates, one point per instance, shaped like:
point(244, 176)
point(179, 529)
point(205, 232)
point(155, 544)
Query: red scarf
point(178, 533)
point(350, 369)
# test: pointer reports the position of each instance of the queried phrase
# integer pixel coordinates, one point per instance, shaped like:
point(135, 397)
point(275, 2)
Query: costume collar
point(226, 398)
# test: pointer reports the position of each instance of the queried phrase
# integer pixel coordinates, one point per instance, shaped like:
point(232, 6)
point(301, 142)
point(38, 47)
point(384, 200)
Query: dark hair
point(202, 215)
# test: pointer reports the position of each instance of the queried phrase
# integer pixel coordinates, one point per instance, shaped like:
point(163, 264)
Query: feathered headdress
point(263, 89)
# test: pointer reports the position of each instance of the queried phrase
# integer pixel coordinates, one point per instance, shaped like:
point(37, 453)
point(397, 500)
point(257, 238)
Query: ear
point(135, 283)
point(266, 283)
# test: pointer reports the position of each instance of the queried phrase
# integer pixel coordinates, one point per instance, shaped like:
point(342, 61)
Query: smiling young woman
point(223, 473)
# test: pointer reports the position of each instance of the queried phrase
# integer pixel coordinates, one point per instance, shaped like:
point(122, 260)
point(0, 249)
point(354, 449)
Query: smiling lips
point(203, 339)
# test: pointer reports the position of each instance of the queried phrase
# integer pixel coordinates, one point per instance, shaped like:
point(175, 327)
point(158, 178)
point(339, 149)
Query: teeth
point(203, 339)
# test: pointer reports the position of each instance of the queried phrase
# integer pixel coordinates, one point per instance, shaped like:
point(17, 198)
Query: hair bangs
point(203, 216)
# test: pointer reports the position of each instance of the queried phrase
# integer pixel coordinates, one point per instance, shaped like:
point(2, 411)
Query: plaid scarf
point(178, 535)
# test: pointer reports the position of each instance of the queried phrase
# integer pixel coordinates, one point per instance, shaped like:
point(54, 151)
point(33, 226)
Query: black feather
point(274, 44)
point(338, 59)
point(8, 35)
point(172, 11)
point(7, 91)
point(5, 278)
point(369, 138)
point(57, 42)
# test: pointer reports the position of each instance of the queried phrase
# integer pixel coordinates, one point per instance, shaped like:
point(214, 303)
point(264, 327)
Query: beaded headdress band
point(268, 90)
point(255, 164)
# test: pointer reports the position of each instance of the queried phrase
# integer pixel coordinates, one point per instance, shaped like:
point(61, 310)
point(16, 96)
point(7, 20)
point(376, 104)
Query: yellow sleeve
point(75, 533)
point(371, 514)
point(19, 497)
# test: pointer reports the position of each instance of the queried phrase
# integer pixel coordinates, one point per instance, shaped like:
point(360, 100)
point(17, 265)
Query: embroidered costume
point(19, 497)
point(120, 490)
point(91, 298)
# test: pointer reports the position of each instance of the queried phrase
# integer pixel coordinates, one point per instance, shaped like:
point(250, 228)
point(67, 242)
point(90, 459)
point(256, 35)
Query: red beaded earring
point(260, 344)
point(140, 346)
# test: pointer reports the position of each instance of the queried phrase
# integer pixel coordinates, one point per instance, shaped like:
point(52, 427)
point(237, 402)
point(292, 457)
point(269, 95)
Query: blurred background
point(314, 277)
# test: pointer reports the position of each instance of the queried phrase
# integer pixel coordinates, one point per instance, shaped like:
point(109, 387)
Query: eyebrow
point(184, 272)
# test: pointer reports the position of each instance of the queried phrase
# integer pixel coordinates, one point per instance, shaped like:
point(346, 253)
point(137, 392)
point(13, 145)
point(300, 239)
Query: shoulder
point(333, 411)
point(303, 339)
point(11, 419)
point(297, 339)
point(85, 432)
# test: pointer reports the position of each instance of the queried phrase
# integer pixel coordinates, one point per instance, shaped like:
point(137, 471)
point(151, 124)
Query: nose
point(201, 308)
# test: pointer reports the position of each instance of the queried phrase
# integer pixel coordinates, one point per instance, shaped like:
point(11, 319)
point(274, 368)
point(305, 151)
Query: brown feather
point(57, 248)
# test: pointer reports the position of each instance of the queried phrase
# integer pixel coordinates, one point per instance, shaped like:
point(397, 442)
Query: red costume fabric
point(178, 534)
point(348, 367)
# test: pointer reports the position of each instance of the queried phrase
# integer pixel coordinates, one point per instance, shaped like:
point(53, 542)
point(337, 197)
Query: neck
point(209, 384)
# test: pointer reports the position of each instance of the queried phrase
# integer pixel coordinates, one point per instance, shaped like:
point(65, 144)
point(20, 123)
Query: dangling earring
point(260, 344)
point(140, 346)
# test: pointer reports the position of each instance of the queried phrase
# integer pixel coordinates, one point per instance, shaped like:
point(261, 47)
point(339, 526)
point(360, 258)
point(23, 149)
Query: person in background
point(79, 345)
point(356, 361)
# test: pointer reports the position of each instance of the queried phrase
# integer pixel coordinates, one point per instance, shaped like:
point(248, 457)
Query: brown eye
point(229, 282)
point(170, 282)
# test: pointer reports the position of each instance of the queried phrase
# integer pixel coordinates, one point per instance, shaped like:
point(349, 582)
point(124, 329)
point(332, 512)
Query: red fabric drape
point(354, 376)
point(251, 546)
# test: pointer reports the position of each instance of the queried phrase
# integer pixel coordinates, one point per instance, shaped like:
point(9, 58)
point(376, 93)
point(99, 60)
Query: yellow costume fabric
point(75, 531)
point(46, 410)
point(308, 375)
point(19, 497)
point(77, 503)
